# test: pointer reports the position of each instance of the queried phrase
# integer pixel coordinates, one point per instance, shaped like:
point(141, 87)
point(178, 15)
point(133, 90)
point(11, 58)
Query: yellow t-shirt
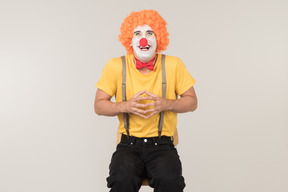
point(178, 82)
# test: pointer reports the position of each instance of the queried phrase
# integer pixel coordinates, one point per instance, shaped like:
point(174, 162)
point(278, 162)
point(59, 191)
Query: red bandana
point(149, 65)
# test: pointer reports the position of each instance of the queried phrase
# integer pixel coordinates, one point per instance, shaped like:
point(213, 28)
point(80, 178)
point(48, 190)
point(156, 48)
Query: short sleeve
point(110, 76)
point(184, 80)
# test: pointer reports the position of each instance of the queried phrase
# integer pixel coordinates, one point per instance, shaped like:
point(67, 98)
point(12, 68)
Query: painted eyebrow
point(136, 32)
point(149, 31)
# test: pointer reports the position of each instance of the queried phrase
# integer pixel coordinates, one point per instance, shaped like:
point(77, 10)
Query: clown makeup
point(144, 43)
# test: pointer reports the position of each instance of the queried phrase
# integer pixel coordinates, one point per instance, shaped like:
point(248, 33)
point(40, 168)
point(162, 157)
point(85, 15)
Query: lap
point(163, 159)
point(161, 164)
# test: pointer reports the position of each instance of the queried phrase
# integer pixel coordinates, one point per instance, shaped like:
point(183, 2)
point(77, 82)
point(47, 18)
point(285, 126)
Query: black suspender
point(125, 115)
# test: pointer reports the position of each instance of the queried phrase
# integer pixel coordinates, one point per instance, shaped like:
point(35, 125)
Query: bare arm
point(104, 106)
point(187, 102)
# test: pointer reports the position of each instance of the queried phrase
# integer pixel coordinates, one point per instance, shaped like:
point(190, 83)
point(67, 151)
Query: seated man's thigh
point(125, 167)
point(164, 170)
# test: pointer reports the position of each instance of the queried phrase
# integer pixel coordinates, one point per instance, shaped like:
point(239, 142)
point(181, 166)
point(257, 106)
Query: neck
point(145, 60)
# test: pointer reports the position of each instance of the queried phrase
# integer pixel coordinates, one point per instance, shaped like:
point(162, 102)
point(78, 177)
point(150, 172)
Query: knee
point(173, 183)
point(124, 180)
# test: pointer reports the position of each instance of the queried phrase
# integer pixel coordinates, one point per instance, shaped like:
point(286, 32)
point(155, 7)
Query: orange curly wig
point(145, 17)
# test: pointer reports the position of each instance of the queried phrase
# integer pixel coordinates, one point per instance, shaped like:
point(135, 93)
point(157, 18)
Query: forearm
point(107, 108)
point(104, 106)
point(182, 105)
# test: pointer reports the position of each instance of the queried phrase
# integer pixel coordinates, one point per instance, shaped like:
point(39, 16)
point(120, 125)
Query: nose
point(143, 42)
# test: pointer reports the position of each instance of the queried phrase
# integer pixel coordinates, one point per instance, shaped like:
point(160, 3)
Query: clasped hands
point(158, 105)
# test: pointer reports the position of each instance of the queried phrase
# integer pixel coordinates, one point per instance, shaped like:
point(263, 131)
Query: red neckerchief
point(149, 65)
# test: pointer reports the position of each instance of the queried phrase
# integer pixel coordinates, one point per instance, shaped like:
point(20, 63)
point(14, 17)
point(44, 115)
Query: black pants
point(138, 158)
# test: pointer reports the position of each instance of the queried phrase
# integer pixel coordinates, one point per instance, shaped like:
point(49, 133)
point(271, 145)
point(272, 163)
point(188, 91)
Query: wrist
point(120, 107)
point(170, 105)
point(117, 107)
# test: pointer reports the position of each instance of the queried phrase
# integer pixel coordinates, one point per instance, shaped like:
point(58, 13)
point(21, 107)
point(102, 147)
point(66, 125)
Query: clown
point(146, 85)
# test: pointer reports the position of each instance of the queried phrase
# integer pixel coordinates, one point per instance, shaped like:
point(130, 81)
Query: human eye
point(137, 33)
point(150, 33)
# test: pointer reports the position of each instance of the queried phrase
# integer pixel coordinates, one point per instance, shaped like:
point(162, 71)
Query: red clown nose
point(143, 42)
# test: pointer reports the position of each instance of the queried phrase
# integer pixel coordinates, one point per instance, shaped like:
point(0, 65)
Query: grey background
point(52, 54)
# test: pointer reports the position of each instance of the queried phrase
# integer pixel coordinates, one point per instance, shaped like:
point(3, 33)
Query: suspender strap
point(125, 115)
point(161, 119)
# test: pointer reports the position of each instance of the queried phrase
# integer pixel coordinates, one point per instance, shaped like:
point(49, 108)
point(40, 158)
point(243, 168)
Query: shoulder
point(173, 61)
point(114, 63)
point(114, 66)
point(172, 58)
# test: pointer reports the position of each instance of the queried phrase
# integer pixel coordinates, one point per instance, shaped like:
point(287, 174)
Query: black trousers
point(138, 158)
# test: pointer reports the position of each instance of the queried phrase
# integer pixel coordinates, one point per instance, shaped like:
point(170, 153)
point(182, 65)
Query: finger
point(145, 98)
point(151, 110)
point(135, 113)
point(151, 114)
point(140, 111)
point(140, 105)
point(150, 104)
point(152, 95)
point(139, 93)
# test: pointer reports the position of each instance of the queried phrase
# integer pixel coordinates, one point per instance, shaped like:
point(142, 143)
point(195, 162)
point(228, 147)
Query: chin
point(145, 57)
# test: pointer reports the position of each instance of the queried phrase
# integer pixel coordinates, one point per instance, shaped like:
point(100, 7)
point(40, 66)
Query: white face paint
point(147, 53)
